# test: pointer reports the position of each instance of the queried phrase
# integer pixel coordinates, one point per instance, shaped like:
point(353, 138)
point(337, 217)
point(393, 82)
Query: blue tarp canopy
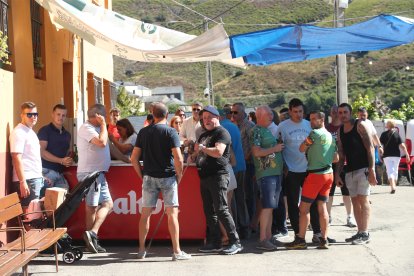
point(304, 42)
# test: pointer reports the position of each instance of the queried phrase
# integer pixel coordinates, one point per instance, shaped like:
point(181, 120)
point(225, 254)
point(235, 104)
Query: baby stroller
point(63, 213)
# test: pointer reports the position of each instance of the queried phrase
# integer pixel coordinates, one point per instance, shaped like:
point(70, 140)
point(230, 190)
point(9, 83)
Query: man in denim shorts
point(269, 165)
point(25, 152)
point(93, 155)
point(54, 148)
point(159, 145)
point(356, 145)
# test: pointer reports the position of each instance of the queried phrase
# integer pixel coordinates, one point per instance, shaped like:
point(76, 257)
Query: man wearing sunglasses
point(25, 152)
point(190, 125)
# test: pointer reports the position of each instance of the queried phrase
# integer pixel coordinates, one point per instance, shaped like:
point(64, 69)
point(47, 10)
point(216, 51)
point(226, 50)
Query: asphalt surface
point(390, 252)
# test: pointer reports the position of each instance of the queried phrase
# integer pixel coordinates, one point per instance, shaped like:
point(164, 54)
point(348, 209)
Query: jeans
point(241, 215)
point(35, 185)
point(293, 192)
point(214, 194)
point(250, 189)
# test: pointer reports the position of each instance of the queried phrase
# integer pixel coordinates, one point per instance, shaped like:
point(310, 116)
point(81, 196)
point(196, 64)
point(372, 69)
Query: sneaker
point(210, 248)
point(362, 239)
point(298, 243)
point(142, 255)
point(316, 237)
point(323, 244)
point(233, 249)
point(181, 256)
point(350, 222)
point(354, 237)
point(280, 235)
point(330, 240)
point(266, 245)
point(90, 239)
point(99, 248)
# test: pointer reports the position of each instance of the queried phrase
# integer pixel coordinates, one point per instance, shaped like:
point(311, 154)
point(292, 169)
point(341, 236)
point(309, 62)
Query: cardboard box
point(54, 197)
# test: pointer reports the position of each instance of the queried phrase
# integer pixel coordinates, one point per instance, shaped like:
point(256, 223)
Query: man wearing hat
point(212, 152)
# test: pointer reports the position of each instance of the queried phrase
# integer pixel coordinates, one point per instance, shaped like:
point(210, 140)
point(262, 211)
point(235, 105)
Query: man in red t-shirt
point(114, 116)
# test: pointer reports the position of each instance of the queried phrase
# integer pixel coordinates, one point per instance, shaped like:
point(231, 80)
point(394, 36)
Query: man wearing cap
point(211, 154)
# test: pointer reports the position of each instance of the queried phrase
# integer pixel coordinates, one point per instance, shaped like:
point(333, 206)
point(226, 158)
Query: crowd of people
point(257, 171)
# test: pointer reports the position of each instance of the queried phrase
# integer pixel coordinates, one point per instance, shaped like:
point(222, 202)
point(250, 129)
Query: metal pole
point(341, 73)
point(209, 78)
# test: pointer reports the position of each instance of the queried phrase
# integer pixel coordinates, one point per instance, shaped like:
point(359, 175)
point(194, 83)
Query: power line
point(196, 12)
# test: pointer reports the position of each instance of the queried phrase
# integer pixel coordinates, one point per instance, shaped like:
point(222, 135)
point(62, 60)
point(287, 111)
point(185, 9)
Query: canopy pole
point(341, 72)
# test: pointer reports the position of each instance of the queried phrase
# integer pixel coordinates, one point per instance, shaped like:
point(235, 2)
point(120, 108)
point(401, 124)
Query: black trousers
point(294, 183)
point(214, 194)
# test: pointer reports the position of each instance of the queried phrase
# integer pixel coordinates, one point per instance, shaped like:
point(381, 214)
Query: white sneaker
point(350, 222)
point(181, 256)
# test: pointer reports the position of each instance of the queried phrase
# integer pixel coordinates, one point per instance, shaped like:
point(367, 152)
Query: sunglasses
point(31, 114)
point(182, 114)
point(234, 112)
point(196, 109)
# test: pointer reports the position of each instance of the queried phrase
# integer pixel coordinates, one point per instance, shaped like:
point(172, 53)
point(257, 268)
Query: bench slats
point(9, 200)
point(12, 262)
point(10, 212)
point(37, 240)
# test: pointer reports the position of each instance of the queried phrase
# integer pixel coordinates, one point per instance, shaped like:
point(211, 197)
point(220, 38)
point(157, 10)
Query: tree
point(128, 104)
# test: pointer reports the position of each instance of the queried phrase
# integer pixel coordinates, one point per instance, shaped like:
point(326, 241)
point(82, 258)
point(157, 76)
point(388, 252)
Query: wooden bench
point(18, 253)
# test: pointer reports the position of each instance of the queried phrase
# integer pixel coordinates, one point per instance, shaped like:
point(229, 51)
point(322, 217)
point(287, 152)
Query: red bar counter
point(122, 222)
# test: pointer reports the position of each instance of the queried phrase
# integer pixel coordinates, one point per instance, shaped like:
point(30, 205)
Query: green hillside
point(382, 73)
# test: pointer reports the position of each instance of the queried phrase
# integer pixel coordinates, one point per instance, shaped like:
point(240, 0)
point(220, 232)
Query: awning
point(135, 40)
point(304, 42)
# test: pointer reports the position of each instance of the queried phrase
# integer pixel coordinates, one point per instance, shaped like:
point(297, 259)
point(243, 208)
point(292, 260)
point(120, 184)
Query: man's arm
point(216, 151)
point(66, 161)
point(340, 164)
point(369, 146)
point(135, 156)
point(178, 163)
point(260, 152)
point(102, 139)
point(18, 166)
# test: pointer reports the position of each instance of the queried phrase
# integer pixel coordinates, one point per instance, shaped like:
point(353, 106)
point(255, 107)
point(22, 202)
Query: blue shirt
point(236, 144)
point(293, 134)
point(58, 142)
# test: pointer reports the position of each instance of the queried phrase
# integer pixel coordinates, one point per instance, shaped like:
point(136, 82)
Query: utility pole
point(209, 76)
point(341, 73)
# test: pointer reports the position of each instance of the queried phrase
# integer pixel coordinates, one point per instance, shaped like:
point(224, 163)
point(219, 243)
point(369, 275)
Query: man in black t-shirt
point(159, 145)
point(211, 154)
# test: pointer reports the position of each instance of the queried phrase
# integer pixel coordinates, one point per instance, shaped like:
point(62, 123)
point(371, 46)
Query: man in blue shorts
point(54, 148)
point(93, 154)
point(159, 145)
point(269, 165)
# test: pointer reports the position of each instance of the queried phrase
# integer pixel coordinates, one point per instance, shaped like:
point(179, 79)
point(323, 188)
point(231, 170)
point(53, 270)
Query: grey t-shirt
point(91, 157)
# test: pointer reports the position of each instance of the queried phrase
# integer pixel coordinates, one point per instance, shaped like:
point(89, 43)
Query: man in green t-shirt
point(268, 164)
point(320, 148)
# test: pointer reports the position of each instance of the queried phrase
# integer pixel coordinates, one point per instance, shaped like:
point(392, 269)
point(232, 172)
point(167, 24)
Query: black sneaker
point(298, 243)
point(90, 239)
point(98, 247)
point(233, 249)
point(362, 239)
point(210, 248)
point(323, 244)
point(354, 237)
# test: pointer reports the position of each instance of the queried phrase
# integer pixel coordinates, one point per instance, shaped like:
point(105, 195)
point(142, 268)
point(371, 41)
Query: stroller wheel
point(69, 256)
point(78, 253)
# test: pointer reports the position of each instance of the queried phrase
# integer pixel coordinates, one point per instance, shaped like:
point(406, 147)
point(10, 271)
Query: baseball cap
point(212, 110)
point(225, 111)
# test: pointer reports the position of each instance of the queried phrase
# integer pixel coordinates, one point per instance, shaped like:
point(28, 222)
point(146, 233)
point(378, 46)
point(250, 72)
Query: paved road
point(391, 251)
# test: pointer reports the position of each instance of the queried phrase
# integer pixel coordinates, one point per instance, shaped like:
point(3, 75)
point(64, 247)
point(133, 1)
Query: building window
point(36, 12)
point(4, 22)
point(98, 90)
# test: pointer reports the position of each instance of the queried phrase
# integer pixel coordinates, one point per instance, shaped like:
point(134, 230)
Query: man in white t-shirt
point(190, 125)
point(363, 116)
point(93, 155)
point(25, 152)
